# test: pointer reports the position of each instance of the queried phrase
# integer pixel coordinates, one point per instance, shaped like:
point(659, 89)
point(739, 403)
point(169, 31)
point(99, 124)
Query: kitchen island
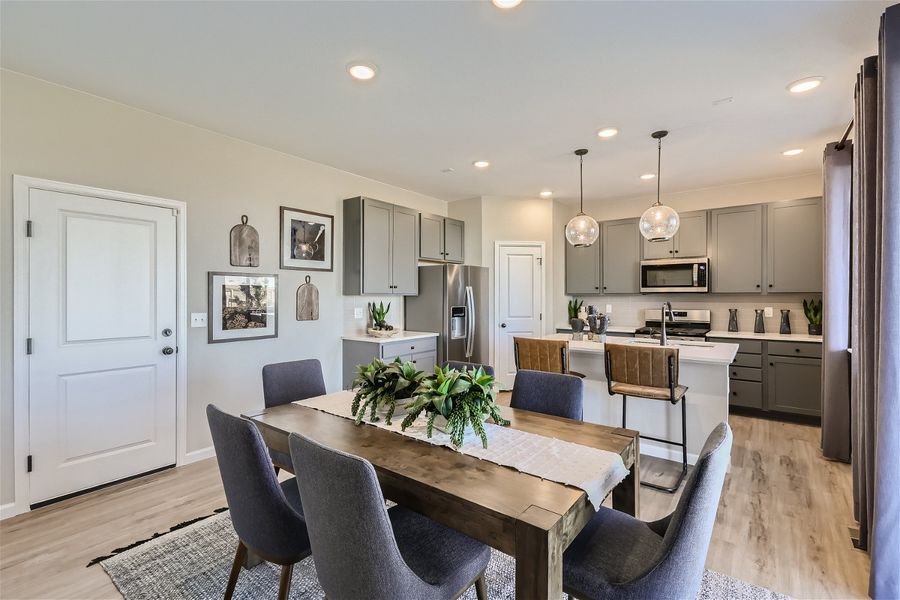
point(703, 368)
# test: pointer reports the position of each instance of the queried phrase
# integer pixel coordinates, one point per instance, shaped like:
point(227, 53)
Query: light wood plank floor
point(782, 521)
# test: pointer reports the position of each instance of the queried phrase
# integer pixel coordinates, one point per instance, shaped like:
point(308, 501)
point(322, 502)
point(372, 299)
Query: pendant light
point(582, 230)
point(659, 222)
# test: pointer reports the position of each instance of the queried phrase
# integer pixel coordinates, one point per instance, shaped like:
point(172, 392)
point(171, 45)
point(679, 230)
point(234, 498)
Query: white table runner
point(593, 470)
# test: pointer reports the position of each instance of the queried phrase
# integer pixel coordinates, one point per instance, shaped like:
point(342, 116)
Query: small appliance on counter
point(675, 275)
point(687, 324)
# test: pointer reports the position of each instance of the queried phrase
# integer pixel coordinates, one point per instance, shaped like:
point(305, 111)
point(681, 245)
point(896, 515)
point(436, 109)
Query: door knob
point(167, 332)
point(168, 350)
point(503, 325)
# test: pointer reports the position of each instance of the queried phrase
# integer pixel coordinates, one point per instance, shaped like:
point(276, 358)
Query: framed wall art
point(307, 240)
point(242, 306)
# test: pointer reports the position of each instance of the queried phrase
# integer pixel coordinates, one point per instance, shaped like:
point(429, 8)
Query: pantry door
point(520, 293)
point(102, 330)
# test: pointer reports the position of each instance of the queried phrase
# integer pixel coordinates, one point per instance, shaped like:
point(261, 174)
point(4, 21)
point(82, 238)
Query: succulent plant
point(574, 306)
point(813, 311)
point(380, 384)
point(378, 313)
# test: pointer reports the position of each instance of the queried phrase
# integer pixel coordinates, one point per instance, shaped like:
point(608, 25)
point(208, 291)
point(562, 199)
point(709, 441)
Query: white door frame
point(495, 314)
point(21, 432)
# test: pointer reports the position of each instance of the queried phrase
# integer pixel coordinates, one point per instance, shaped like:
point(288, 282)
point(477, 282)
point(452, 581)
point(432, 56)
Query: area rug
point(193, 563)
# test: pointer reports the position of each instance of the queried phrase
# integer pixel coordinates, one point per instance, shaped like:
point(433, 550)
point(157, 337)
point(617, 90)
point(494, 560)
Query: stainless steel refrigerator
point(452, 301)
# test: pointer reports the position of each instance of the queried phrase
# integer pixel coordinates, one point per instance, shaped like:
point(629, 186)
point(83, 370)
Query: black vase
point(732, 319)
point(759, 325)
point(814, 329)
point(785, 322)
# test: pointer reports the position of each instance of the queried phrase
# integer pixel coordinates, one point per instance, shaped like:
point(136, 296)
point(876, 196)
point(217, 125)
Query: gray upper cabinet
point(442, 239)
point(736, 250)
point(621, 257)
point(689, 242)
point(454, 240)
point(380, 248)
point(583, 269)
point(794, 246)
point(431, 237)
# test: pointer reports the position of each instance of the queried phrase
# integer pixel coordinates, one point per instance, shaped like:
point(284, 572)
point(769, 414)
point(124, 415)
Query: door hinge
point(29, 228)
point(29, 346)
point(29, 467)
point(540, 316)
point(540, 261)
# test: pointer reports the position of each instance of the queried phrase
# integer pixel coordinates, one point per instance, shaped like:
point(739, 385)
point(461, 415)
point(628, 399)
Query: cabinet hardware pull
point(770, 285)
point(771, 364)
point(796, 349)
point(757, 285)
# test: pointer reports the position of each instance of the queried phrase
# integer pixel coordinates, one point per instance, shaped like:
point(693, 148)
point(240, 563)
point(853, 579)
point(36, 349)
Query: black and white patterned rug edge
point(193, 563)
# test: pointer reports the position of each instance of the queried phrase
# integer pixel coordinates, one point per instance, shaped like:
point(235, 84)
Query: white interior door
point(102, 297)
point(520, 295)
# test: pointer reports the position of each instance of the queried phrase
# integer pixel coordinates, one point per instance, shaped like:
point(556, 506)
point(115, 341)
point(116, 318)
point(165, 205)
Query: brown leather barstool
point(648, 372)
point(550, 356)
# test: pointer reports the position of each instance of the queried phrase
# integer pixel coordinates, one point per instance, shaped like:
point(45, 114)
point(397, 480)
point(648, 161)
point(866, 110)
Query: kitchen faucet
point(666, 308)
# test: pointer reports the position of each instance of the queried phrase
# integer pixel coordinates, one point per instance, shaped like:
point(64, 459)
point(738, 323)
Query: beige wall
point(627, 310)
point(56, 133)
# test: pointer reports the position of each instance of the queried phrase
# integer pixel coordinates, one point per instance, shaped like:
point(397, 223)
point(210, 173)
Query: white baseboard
point(11, 509)
point(665, 452)
point(201, 454)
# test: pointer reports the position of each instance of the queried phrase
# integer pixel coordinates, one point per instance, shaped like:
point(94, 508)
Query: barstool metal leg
point(683, 444)
point(624, 399)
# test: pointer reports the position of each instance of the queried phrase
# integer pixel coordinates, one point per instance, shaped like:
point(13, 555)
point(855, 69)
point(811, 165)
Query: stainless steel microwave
point(675, 275)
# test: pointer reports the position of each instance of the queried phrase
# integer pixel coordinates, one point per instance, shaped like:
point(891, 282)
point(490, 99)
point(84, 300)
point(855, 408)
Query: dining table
point(527, 517)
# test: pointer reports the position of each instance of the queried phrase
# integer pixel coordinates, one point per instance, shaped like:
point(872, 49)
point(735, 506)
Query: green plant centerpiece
point(378, 314)
point(574, 320)
point(463, 398)
point(813, 311)
point(382, 385)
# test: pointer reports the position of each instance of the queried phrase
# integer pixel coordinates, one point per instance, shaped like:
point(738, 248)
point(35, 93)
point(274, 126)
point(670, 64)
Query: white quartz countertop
point(771, 337)
point(403, 336)
point(610, 329)
point(689, 351)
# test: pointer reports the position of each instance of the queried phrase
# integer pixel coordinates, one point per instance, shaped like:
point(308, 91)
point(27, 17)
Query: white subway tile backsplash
point(354, 326)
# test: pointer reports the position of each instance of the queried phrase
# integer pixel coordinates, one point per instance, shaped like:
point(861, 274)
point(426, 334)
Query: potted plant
point(813, 311)
point(378, 315)
point(381, 385)
point(462, 398)
point(574, 320)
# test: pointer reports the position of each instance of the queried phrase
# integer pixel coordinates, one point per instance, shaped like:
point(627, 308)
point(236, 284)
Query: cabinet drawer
point(745, 346)
point(391, 350)
point(745, 373)
point(747, 360)
point(806, 349)
point(746, 393)
point(424, 361)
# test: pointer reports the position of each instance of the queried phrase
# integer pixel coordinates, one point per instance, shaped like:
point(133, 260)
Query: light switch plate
point(358, 313)
point(608, 308)
point(198, 319)
point(769, 312)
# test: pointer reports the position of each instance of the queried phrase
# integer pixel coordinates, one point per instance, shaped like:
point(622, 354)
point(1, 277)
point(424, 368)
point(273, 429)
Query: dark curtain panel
point(875, 367)
point(838, 174)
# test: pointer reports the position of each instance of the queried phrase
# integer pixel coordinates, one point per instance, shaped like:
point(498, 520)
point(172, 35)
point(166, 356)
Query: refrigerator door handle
point(470, 321)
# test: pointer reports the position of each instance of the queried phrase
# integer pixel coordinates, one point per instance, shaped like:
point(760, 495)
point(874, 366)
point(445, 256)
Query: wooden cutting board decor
point(307, 302)
point(244, 245)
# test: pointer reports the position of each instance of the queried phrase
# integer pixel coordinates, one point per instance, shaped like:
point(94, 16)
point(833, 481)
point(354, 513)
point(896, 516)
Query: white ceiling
point(460, 81)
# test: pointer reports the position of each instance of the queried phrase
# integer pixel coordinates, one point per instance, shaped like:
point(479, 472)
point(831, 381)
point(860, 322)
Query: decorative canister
point(732, 319)
point(785, 322)
point(759, 325)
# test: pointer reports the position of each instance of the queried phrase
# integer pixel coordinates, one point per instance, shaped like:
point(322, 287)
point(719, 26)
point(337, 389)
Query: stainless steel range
point(685, 325)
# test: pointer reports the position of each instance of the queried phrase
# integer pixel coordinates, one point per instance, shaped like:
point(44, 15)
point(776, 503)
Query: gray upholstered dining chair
point(459, 365)
point(266, 515)
point(363, 550)
point(286, 382)
point(549, 393)
point(618, 556)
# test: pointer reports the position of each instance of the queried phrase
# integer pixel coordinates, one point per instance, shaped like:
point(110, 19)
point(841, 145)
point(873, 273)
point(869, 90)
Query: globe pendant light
point(659, 222)
point(582, 230)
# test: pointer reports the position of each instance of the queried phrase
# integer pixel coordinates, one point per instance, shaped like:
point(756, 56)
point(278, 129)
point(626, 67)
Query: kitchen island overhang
point(703, 368)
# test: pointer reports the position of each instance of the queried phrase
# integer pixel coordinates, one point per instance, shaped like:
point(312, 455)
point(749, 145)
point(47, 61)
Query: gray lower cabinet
point(421, 351)
point(381, 243)
point(736, 249)
point(795, 385)
point(621, 257)
point(442, 239)
point(794, 246)
point(583, 269)
point(689, 242)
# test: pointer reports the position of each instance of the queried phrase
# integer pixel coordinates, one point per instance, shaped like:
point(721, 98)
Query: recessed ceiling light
point(362, 71)
point(546, 194)
point(648, 175)
point(506, 4)
point(607, 132)
point(792, 152)
point(804, 85)
point(481, 164)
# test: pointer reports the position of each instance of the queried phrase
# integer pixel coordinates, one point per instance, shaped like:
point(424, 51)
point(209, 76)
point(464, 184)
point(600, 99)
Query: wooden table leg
point(626, 495)
point(538, 555)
